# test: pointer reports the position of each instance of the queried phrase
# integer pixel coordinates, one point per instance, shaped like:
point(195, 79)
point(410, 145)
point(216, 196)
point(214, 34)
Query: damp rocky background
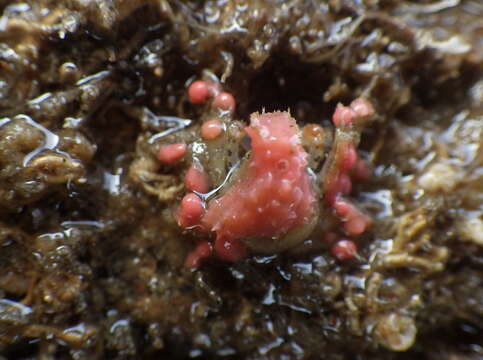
point(91, 260)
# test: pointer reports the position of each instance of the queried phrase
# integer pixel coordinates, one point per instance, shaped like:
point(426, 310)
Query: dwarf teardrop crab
point(250, 189)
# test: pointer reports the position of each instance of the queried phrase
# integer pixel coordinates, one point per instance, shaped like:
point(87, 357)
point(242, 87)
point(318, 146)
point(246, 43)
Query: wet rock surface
point(91, 257)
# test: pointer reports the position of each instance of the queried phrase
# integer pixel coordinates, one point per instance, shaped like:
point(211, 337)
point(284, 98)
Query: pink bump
point(356, 225)
point(355, 221)
point(283, 165)
point(211, 129)
point(362, 108)
point(169, 154)
point(344, 249)
point(224, 101)
point(343, 115)
point(196, 179)
point(198, 92)
point(343, 208)
point(190, 211)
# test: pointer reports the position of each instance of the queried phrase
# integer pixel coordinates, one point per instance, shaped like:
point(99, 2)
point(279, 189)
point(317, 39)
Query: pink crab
point(273, 202)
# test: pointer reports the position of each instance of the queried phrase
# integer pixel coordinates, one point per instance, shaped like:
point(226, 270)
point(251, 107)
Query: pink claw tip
point(356, 225)
point(344, 249)
point(343, 208)
point(343, 116)
point(172, 153)
point(211, 129)
point(196, 179)
point(198, 92)
point(190, 211)
point(224, 101)
point(362, 107)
